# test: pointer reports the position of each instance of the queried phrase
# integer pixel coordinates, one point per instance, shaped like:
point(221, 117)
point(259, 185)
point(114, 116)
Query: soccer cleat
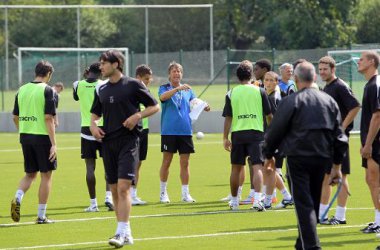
point(187, 198)
point(284, 203)
point(137, 201)
point(334, 221)
point(109, 205)
point(164, 197)
point(258, 206)
point(15, 210)
point(268, 207)
point(374, 228)
point(324, 221)
point(248, 200)
point(44, 221)
point(368, 225)
point(234, 206)
point(92, 209)
point(117, 241)
point(228, 198)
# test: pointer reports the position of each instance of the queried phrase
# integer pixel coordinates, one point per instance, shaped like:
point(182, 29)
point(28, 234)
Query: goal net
point(68, 63)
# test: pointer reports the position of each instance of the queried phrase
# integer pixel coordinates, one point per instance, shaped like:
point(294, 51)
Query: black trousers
point(306, 174)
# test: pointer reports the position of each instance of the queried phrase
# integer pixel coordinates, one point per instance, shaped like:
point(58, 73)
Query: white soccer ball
point(200, 135)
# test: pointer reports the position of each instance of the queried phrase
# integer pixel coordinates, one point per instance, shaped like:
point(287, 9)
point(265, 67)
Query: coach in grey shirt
point(308, 123)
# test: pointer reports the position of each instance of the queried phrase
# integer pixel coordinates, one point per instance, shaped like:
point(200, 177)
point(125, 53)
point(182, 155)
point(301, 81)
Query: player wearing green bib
point(33, 114)
point(84, 92)
point(244, 111)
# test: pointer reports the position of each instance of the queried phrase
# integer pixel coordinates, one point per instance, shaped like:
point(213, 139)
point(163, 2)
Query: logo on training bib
point(247, 116)
point(111, 99)
point(27, 119)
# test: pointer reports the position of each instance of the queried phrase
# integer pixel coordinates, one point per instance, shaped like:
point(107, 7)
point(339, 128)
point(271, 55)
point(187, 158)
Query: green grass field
point(206, 224)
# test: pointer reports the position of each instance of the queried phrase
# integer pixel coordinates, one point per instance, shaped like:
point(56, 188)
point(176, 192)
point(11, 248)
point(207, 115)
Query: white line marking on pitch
point(180, 237)
point(160, 215)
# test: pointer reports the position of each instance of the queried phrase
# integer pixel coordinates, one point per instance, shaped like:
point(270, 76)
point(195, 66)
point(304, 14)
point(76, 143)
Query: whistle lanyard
point(178, 99)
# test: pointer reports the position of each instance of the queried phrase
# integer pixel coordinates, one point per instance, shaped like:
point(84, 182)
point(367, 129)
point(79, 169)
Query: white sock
point(377, 217)
point(42, 211)
point(340, 213)
point(322, 209)
point(163, 186)
point(133, 192)
point(121, 228)
point(264, 189)
point(19, 195)
point(268, 200)
point(257, 197)
point(234, 199)
point(252, 193)
point(185, 189)
point(108, 196)
point(274, 195)
point(93, 202)
point(285, 194)
point(240, 190)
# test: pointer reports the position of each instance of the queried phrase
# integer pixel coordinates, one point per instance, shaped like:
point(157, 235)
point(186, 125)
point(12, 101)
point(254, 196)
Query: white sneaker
point(117, 241)
point(92, 209)
point(228, 198)
point(248, 200)
point(164, 197)
point(187, 198)
point(137, 201)
point(233, 205)
point(258, 206)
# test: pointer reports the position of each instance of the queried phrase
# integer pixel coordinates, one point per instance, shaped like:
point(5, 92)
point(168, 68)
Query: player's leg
point(325, 197)
point(143, 151)
point(185, 148)
point(269, 176)
point(168, 148)
point(236, 170)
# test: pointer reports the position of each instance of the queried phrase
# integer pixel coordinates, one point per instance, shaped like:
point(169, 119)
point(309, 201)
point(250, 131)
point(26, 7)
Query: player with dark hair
point(84, 92)
point(247, 131)
point(144, 74)
point(118, 102)
point(33, 115)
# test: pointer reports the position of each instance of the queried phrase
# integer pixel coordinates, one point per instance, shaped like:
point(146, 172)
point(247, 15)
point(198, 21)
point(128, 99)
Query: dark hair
point(143, 70)
point(327, 60)
point(298, 61)
point(113, 56)
point(43, 68)
point(59, 85)
point(372, 55)
point(244, 71)
point(94, 68)
point(264, 63)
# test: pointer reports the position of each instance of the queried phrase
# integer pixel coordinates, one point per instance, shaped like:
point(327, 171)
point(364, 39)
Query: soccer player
point(308, 123)
point(244, 111)
point(349, 107)
point(286, 85)
point(33, 115)
point(272, 178)
point(84, 92)
point(57, 88)
point(118, 102)
point(176, 130)
point(144, 74)
point(369, 131)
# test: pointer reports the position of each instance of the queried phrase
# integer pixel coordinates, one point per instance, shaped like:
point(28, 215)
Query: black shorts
point(36, 158)
point(89, 148)
point(172, 143)
point(143, 144)
point(345, 164)
point(375, 155)
point(120, 158)
point(240, 152)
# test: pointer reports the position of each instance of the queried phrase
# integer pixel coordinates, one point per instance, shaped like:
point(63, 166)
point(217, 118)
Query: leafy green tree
point(368, 21)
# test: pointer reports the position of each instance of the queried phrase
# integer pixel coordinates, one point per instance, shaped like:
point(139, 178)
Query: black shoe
point(377, 248)
point(335, 221)
point(365, 228)
point(15, 210)
point(374, 228)
point(268, 207)
point(44, 221)
point(109, 205)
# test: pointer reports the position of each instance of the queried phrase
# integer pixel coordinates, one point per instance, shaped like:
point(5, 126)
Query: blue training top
point(285, 87)
point(175, 119)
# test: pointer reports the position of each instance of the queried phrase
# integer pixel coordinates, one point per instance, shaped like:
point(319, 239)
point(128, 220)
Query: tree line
point(239, 24)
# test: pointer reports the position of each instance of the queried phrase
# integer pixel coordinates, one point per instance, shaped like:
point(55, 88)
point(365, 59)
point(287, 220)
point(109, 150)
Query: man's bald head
point(305, 73)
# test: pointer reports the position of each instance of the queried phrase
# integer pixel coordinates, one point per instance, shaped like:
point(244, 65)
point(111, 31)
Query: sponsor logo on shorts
point(247, 116)
point(27, 119)
point(131, 175)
